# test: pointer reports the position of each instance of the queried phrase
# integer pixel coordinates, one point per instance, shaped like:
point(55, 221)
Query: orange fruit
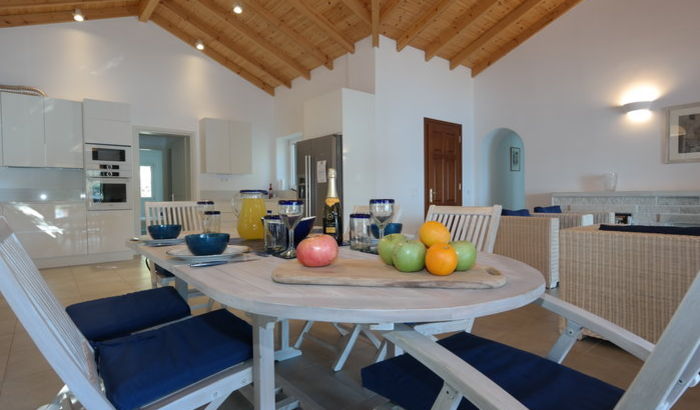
point(441, 259)
point(433, 232)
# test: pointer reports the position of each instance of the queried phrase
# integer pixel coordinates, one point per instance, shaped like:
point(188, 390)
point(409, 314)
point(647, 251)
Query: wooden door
point(443, 163)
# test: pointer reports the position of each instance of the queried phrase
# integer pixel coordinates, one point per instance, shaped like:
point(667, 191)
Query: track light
point(199, 45)
point(78, 15)
point(237, 9)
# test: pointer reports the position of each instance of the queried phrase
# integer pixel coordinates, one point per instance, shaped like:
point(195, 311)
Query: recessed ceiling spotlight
point(199, 45)
point(78, 15)
point(237, 9)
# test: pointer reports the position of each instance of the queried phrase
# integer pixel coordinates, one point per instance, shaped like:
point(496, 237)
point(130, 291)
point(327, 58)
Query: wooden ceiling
point(275, 41)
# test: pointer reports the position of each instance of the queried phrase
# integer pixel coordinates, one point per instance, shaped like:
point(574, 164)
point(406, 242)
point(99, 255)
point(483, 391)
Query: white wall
point(167, 82)
point(560, 91)
point(407, 89)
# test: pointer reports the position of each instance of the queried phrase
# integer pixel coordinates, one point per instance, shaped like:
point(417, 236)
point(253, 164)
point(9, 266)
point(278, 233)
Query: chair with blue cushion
point(186, 364)
point(466, 371)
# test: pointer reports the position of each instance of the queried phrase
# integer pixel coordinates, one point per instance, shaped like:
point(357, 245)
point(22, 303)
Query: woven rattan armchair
point(571, 219)
point(634, 280)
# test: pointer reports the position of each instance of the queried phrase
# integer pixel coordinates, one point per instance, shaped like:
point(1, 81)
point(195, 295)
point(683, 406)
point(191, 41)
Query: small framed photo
point(683, 133)
point(515, 158)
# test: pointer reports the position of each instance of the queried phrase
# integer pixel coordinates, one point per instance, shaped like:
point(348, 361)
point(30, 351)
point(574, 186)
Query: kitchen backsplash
point(41, 184)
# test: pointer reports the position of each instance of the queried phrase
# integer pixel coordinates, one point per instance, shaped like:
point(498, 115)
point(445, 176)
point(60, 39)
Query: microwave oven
point(108, 160)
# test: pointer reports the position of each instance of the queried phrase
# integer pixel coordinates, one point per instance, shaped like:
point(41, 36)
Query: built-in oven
point(108, 193)
point(100, 157)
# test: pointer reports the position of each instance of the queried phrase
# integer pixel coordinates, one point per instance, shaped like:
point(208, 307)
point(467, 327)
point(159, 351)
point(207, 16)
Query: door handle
point(430, 195)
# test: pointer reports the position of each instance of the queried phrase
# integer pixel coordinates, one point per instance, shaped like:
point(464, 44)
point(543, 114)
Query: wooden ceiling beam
point(375, 23)
point(255, 37)
point(522, 37)
point(389, 6)
point(277, 23)
point(166, 25)
point(359, 9)
point(15, 20)
point(304, 8)
point(491, 33)
point(214, 35)
point(427, 17)
point(459, 25)
point(146, 8)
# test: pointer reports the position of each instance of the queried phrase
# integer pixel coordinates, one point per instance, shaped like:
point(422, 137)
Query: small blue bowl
point(164, 231)
point(202, 244)
point(303, 228)
point(393, 227)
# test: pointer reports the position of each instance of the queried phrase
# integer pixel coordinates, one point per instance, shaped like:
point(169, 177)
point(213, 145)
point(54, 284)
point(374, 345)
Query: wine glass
point(291, 212)
point(382, 210)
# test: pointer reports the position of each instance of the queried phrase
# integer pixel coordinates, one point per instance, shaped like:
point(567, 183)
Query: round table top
point(248, 286)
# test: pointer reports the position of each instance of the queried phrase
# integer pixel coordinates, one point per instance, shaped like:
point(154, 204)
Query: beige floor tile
point(30, 391)
point(5, 345)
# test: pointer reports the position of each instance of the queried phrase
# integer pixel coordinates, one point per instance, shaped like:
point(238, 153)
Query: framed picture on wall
point(683, 133)
point(515, 158)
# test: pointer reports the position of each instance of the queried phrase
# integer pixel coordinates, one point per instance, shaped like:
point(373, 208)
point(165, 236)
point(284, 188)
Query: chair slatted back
point(47, 322)
point(183, 213)
point(478, 225)
point(364, 209)
point(674, 364)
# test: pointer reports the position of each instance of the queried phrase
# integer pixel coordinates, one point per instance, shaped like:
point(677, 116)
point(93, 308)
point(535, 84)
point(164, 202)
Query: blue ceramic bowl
point(303, 228)
point(393, 227)
point(164, 231)
point(201, 244)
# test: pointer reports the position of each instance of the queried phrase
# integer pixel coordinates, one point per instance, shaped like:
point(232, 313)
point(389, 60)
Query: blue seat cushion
point(666, 230)
point(519, 212)
point(117, 316)
point(554, 209)
point(144, 367)
point(163, 272)
point(536, 382)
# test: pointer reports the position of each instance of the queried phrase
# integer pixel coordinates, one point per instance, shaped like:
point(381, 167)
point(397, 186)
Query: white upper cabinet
point(22, 130)
point(107, 122)
point(226, 146)
point(63, 128)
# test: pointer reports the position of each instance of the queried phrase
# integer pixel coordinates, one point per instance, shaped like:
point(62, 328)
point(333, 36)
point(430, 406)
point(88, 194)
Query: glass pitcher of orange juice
point(249, 207)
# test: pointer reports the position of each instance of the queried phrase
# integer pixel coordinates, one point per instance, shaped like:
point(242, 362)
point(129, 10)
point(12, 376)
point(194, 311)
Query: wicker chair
point(634, 280)
point(572, 219)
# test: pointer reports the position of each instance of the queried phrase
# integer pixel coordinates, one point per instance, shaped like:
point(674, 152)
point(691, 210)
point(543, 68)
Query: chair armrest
point(472, 384)
point(623, 338)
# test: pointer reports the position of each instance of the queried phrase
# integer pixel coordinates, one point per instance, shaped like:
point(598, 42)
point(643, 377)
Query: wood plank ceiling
point(273, 42)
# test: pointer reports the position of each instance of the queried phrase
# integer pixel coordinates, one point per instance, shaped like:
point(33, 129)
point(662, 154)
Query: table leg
point(264, 361)
point(285, 351)
point(181, 287)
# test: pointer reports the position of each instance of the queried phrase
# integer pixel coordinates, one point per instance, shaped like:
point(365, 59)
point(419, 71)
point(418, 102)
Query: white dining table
point(248, 286)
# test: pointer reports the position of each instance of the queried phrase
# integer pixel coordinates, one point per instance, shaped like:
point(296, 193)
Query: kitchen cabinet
point(108, 231)
point(49, 230)
point(107, 122)
point(22, 130)
point(226, 146)
point(63, 130)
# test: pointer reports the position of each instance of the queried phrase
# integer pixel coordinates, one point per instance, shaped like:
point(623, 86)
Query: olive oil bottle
point(333, 211)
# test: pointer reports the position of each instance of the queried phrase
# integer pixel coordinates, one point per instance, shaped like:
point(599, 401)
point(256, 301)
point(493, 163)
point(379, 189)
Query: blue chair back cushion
point(519, 212)
point(666, 230)
point(536, 382)
point(117, 316)
point(554, 209)
point(144, 367)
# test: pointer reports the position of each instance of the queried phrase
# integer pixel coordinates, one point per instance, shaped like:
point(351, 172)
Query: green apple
point(466, 254)
point(387, 244)
point(409, 256)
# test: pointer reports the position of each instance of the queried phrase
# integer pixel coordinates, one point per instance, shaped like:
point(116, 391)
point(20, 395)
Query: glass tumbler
point(275, 234)
point(360, 236)
point(211, 222)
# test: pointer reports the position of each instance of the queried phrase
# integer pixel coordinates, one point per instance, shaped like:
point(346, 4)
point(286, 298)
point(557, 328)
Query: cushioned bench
point(117, 316)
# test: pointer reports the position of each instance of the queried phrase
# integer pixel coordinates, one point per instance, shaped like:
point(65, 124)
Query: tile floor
point(27, 381)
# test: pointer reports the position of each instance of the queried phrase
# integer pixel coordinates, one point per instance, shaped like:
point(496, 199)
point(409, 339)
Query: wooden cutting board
point(362, 272)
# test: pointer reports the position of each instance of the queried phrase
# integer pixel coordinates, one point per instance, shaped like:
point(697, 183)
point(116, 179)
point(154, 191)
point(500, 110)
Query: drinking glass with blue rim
point(291, 212)
point(382, 211)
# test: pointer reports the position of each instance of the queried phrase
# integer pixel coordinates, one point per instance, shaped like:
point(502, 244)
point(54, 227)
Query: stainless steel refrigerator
point(313, 158)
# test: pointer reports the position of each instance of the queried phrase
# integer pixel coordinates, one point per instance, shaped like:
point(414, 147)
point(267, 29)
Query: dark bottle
point(333, 211)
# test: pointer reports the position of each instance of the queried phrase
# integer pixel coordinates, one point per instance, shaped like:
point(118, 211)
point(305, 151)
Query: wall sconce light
point(78, 15)
point(638, 111)
point(199, 45)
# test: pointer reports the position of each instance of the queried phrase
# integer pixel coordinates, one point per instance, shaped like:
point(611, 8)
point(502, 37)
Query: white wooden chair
point(69, 353)
point(183, 213)
point(670, 367)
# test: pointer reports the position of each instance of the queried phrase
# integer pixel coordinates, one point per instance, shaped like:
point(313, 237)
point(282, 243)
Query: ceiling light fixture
point(638, 111)
point(237, 9)
point(78, 15)
point(199, 45)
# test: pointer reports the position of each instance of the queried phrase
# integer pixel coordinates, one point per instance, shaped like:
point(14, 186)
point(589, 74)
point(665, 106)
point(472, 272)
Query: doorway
point(164, 170)
point(506, 168)
point(443, 163)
